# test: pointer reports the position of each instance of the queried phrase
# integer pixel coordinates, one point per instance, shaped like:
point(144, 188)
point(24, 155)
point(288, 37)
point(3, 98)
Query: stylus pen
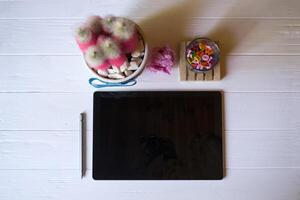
point(81, 141)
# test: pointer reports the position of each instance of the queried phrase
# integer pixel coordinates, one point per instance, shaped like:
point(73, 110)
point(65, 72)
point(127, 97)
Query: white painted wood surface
point(43, 87)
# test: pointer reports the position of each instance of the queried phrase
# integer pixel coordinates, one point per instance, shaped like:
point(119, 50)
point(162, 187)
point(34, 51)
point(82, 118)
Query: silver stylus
point(81, 145)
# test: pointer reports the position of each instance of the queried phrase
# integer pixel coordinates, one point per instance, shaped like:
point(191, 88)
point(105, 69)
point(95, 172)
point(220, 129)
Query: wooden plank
point(209, 75)
point(200, 76)
point(219, 69)
point(42, 111)
point(39, 150)
point(54, 150)
point(217, 74)
point(169, 8)
point(182, 64)
point(41, 73)
point(259, 96)
point(191, 75)
point(59, 111)
point(69, 74)
point(236, 36)
point(247, 184)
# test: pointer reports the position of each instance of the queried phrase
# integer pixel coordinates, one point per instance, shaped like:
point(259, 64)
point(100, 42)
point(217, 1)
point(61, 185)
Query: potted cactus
point(114, 48)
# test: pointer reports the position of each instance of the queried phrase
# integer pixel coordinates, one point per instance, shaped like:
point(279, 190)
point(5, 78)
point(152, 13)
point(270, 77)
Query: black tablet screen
point(157, 136)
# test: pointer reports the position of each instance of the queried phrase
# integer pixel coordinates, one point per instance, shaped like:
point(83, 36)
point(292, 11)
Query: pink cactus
point(112, 51)
point(85, 38)
point(131, 44)
point(108, 23)
point(106, 41)
point(125, 32)
point(95, 24)
point(96, 58)
point(100, 39)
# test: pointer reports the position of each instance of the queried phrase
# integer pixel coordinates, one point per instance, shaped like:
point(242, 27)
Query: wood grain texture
point(58, 150)
point(182, 65)
point(191, 76)
point(43, 87)
point(69, 74)
point(236, 36)
point(39, 150)
point(276, 184)
point(143, 8)
point(209, 75)
point(59, 111)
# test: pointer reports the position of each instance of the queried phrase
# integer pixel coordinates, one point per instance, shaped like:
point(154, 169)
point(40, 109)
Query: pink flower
point(162, 59)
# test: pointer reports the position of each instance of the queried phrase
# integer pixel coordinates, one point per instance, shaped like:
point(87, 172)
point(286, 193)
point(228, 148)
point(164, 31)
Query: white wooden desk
point(43, 88)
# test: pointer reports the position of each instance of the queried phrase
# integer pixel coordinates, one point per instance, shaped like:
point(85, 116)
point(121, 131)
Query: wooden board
point(237, 36)
point(246, 184)
point(43, 87)
point(186, 74)
point(68, 74)
point(248, 9)
point(264, 111)
point(56, 150)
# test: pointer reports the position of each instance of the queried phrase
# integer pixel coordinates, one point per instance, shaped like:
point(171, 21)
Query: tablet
point(166, 135)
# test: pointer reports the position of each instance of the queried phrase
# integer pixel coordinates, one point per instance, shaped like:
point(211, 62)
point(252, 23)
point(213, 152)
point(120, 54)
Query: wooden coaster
point(185, 74)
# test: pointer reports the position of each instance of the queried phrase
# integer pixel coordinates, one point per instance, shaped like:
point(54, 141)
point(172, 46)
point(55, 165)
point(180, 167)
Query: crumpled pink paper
point(162, 59)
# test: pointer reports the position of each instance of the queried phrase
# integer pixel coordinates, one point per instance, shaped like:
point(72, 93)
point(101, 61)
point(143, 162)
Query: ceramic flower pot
point(134, 73)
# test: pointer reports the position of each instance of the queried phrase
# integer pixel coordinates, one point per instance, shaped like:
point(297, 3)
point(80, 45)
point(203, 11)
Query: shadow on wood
point(174, 24)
